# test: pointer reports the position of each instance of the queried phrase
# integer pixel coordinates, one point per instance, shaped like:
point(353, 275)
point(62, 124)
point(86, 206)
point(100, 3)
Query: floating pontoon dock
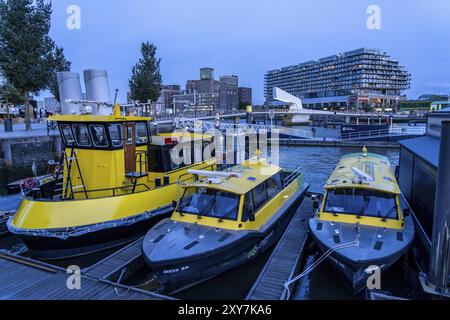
point(119, 265)
point(28, 279)
point(285, 260)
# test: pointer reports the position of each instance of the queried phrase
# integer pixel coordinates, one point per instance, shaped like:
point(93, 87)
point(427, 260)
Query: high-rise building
point(245, 97)
point(363, 78)
point(229, 93)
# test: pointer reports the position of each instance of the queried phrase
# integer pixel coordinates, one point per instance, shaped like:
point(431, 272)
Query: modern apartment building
point(358, 79)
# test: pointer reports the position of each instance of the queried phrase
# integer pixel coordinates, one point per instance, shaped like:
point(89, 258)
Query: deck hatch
point(400, 236)
point(191, 245)
point(157, 240)
point(378, 245)
point(224, 237)
point(319, 227)
point(337, 239)
point(160, 226)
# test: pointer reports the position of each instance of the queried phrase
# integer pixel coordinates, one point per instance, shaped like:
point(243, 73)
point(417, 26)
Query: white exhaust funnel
point(69, 89)
point(97, 89)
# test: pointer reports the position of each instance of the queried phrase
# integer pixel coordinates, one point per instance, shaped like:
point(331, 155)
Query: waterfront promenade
point(19, 131)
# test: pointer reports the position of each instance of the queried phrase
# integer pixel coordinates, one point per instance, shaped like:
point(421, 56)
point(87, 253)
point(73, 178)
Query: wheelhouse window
point(205, 202)
point(364, 203)
point(259, 196)
point(81, 135)
point(99, 137)
point(115, 131)
point(141, 133)
point(67, 134)
point(248, 207)
point(273, 185)
point(129, 135)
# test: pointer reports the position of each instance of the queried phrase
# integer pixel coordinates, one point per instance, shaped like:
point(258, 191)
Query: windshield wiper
point(327, 203)
point(364, 207)
point(226, 215)
point(389, 213)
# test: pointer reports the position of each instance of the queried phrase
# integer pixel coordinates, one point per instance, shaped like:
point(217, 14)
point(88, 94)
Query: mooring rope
point(317, 263)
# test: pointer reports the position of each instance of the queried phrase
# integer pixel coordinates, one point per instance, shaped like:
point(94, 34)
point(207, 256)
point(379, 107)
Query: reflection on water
point(318, 163)
point(12, 175)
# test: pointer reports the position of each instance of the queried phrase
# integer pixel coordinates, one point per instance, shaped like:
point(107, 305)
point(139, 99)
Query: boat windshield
point(205, 202)
point(360, 202)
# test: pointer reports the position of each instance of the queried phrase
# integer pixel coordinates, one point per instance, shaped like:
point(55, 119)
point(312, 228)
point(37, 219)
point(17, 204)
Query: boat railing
point(114, 190)
point(393, 131)
point(293, 175)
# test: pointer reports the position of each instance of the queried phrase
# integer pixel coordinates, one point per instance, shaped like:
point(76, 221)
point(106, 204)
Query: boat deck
point(118, 265)
point(28, 279)
point(285, 259)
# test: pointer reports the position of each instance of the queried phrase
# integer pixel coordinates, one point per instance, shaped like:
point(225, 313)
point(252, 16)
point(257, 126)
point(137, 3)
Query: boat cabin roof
point(377, 167)
point(97, 118)
point(252, 174)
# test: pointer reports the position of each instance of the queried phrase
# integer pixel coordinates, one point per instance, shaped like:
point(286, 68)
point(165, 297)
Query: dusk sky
point(249, 37)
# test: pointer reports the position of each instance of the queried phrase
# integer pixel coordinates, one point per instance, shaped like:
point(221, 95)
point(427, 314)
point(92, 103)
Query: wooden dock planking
point(27, 279)
point(129, 257)
point(284, 261)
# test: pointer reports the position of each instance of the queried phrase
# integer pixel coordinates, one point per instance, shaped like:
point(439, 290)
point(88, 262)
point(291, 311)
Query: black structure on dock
point(285, 260)
point(119, 265)
point(28, 279)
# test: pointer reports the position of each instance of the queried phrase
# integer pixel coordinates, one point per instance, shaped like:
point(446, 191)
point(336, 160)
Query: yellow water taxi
point(223, 220)
point(116, 180)
point(361, 224)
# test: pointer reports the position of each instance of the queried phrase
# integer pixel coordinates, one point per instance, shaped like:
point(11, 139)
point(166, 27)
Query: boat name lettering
point(176, 270)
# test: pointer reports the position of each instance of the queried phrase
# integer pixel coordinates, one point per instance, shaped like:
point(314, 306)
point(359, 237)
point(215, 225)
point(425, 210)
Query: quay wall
point(21, 152)
point(337, 143)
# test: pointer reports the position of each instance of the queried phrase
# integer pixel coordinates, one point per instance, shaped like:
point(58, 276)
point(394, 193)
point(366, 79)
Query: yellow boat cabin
point(363, 189)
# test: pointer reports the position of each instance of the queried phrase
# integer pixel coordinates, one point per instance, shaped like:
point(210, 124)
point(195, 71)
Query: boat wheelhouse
point(223, 220)
point(361, 222)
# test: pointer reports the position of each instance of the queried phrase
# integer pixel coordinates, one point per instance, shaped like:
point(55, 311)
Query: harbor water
point(323, 283)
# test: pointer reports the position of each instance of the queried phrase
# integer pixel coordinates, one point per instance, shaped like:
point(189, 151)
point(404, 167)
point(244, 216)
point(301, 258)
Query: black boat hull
point(355, 275)
point(178, 275)
point(54, 248)
point(376, 251)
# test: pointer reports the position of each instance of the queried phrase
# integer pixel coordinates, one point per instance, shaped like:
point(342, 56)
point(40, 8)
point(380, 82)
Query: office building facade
point(229, 93)
point(358, 79)
point(209, 94)
point(165, 100)
point(245, 97)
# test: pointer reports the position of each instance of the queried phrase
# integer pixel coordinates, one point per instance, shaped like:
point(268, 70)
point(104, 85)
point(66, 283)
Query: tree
point(59, 64)
point(145, 82)
point(26, 49)
point(9, 94)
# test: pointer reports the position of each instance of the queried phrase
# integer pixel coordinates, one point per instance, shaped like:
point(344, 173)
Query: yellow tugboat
point(116, 181)
point(361, 224)
point(223, 220)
